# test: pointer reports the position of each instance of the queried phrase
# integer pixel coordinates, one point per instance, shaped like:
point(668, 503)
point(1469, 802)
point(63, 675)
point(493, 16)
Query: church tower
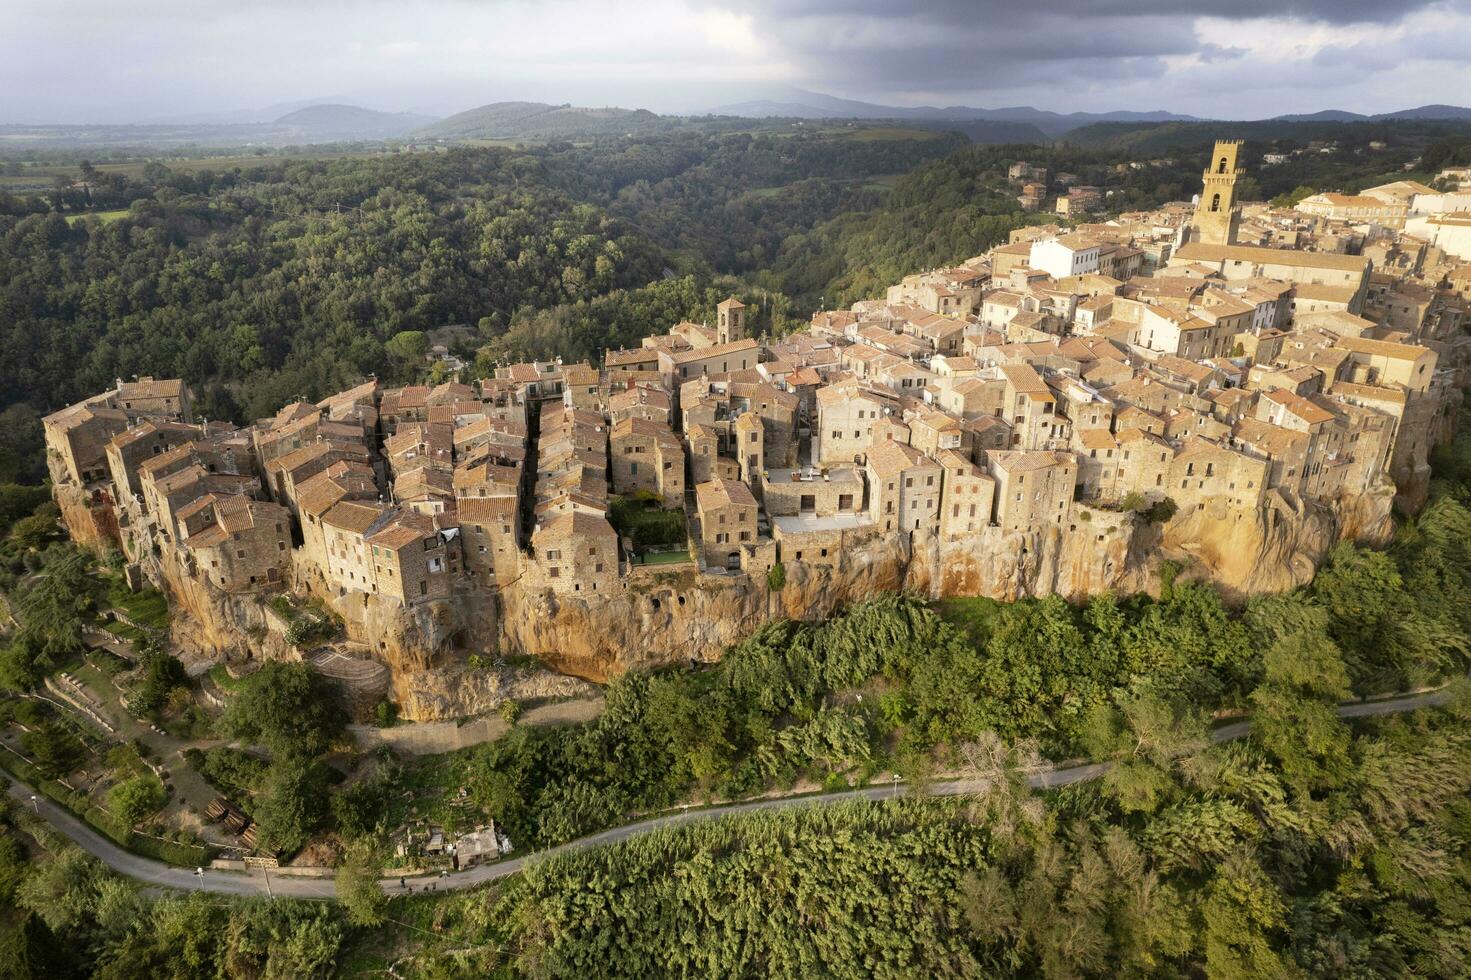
point(1217, 214)
point(730, 323)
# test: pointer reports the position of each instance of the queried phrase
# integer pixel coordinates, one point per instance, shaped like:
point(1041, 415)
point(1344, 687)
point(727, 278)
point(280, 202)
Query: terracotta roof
point(575, 525)
point(890, 458)
point(1201, 251)
point(353, 516)
point(723, 493)
point(1382, 348)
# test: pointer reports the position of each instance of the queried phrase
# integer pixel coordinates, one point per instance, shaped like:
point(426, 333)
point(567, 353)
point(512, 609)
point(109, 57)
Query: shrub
point(1161, 511)
point(135, 799)
point(777, 577)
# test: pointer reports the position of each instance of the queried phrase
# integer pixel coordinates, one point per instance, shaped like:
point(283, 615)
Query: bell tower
point(730, 321)
point(1217, 214)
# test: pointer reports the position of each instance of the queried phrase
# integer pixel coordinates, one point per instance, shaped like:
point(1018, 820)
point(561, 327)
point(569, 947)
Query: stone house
point(577, 553)
point(1033, 489)
point(706, 461)
point(77, 438)
point(168, 398)
point(236, 543)
point(1099, 458)
point(827, 492)
point(846, 415)
point(903, 488)
point(1031, 409)
point(1203, 469)
point(488, 532)
point(639, 402)
point(967, 495)
point(314, 498)
point(727, 512)
point(645, 455)
point(128, 450)
point(412, 561)
point(737, 355)
point(1144, 459)
point(1381, 362)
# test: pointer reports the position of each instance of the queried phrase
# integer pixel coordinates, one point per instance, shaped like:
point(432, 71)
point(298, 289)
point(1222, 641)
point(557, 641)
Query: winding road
point(260, 883)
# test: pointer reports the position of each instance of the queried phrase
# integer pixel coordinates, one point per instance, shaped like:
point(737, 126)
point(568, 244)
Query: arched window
point(1216, 202)
point(1222, 168)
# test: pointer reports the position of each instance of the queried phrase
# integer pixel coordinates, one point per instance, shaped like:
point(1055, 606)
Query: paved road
point(236, 883)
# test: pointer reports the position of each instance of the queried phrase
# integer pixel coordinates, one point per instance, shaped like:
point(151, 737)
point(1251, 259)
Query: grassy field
point(662, 557)
point(875, 133)
point(39, 177)
point(106, 217)
point(220, 674)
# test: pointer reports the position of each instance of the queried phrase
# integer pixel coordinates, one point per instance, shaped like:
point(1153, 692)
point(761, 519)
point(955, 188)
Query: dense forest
point(291, 277)
point(1318, 846)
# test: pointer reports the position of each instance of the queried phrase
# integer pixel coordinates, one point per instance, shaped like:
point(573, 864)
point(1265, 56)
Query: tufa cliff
point(668, 615)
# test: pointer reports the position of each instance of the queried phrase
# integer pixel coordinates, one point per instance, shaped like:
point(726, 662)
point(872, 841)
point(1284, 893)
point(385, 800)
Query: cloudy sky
point(110, 61)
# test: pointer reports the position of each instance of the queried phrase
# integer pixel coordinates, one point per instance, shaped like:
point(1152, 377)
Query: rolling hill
point(539, 120)
point(815, 105)
point(335, 122)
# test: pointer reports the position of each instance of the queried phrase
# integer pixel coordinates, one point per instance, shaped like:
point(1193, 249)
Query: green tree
point(292, 804)
point(357, 884)
point(136, 799)
point(286, 707)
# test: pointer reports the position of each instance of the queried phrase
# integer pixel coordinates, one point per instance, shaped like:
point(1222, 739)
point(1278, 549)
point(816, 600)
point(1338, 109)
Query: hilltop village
point(1222, 384)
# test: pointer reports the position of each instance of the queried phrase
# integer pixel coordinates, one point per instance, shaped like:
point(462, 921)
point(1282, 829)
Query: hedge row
point(78, 804)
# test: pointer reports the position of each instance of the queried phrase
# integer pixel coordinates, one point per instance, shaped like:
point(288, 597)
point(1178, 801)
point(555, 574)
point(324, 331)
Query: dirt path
point(436, 737)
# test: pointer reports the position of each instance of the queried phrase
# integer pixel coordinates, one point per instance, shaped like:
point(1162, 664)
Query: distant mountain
point(1324, 115)
point(1429, 112)
point(815, 105)
point(340, 122)
point(1341, 115)
point(258, 116)
point(538, 120)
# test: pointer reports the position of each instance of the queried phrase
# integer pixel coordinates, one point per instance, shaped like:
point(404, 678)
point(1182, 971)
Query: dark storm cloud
point(1321, 11)
point(940, 49)
point(160, 58)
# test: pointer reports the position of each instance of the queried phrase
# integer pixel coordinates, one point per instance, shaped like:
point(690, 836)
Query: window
point(554, 555)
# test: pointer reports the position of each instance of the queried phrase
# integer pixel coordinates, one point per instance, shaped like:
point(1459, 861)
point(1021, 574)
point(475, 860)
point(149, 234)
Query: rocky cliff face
point(664, 617)
point(694, 617)
point(88, 516)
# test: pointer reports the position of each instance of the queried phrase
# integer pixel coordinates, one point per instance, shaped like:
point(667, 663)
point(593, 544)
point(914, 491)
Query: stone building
point(646, 455)
point(1033, 489)
point(727, 512)
point(903, 488)
point(577, 553)
point(237, 543)
point(966, 497)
